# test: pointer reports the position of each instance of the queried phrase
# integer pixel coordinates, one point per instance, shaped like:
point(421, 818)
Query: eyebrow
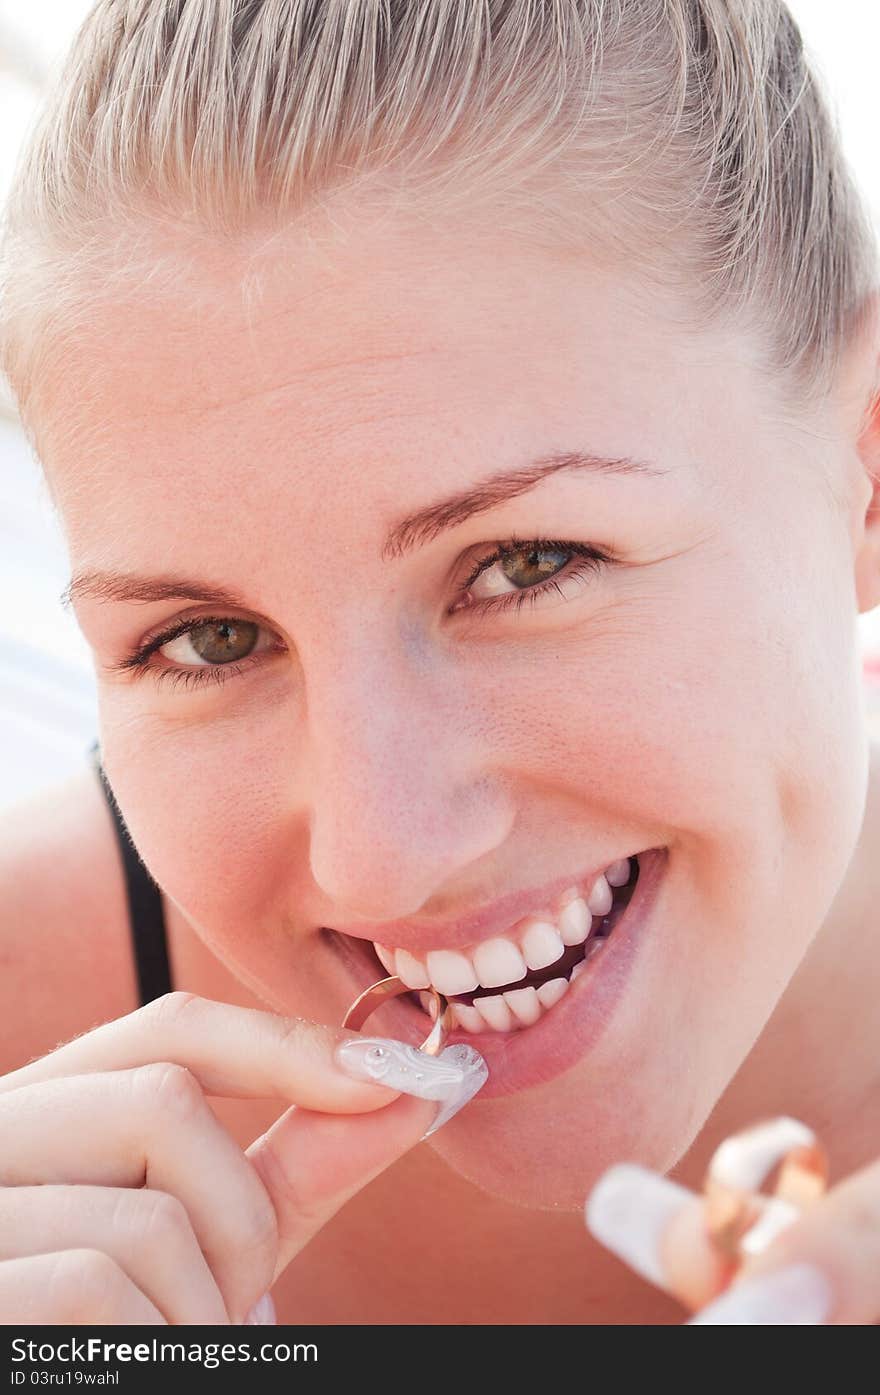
point(409, 533)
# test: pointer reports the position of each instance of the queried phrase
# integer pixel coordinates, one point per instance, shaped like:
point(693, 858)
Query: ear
point(861, 396)
point(867, 557)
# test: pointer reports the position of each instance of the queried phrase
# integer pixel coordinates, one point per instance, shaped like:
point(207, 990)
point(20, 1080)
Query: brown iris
point(541, 561)
point(222, 641)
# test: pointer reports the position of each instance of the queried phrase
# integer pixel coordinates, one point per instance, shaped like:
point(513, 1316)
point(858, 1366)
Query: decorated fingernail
point(628, 1210)
point(262, 1314)
point(797, 1296)
point(452, 1078)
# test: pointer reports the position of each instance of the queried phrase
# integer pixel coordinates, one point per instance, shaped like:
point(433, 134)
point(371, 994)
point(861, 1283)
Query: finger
point(72, 1287)
point(232, 1051)
point(312, 1163)
point(147, 1233)
point(658, 1228)
point(149, 1127)
point(823, 1269)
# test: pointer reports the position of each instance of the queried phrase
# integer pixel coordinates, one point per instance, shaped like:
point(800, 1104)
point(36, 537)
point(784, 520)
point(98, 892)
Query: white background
point(47, 695)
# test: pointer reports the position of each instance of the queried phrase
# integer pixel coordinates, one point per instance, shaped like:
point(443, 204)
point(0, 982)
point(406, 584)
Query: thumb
point(311, 1162)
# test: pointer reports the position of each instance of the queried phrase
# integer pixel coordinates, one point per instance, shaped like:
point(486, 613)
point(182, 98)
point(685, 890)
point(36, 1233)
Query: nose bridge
point(395, 809)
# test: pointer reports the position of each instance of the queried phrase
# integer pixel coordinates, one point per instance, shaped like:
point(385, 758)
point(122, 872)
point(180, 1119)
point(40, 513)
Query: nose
point(401, 798)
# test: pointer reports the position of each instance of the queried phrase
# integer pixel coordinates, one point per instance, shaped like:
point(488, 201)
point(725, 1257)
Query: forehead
point(365, 367)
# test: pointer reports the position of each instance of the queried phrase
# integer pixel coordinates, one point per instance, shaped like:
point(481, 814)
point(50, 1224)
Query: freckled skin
point(394, 760)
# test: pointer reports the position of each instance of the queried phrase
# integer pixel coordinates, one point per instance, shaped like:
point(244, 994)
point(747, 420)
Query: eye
point(213, 641)
point(520, 572)
point(214, 648)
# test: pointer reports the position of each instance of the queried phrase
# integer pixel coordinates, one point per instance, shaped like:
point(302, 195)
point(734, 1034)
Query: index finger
point(232, 1051)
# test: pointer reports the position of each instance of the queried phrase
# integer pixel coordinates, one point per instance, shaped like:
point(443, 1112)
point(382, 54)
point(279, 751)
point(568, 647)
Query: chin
point(545, 1149)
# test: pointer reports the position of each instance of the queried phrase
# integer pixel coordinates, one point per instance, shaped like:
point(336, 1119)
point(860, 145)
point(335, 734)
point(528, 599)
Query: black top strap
point(146, 914)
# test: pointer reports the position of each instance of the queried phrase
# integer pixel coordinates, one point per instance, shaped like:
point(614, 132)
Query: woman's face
point(379, 751)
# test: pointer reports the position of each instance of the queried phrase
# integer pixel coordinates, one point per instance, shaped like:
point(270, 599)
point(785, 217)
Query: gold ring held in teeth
point(372, 998)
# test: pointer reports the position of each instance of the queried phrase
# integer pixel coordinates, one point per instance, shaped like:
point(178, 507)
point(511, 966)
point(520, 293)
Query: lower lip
point(533, 1055)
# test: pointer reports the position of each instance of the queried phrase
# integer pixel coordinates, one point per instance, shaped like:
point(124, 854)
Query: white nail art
point(474, 1072)
point(262, 1314)
point(745, 1160)
point(628, 1210)
point(797, 1296)
point(452, 1078)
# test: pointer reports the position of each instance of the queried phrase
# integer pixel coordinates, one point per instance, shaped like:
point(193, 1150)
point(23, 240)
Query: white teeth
point(468, 1017)
point(387, 957)
point(411, 970)
point(541, 944)
point(618, 873)
point(600, 898)
point(497, 962)
point(551, 991)
point(535, 943)
point(523, 1003)
point(575, 922)
point(495, 1012)
point(450, 972)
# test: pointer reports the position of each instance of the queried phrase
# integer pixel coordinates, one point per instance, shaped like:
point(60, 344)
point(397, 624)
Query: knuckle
point(84, 1284)
point(171, 1089)
point(160, 1220)
point(171, 1008)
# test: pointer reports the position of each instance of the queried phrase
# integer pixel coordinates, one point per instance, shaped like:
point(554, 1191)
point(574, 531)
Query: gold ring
point(741, 1220)
point(374, 996)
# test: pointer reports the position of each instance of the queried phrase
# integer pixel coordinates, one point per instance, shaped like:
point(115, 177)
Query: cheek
point(720, 718)
point(670, 708)
point(207, 804)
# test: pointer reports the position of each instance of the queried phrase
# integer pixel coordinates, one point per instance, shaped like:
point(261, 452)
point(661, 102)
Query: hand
point(124, 1200)
point(823, 1267)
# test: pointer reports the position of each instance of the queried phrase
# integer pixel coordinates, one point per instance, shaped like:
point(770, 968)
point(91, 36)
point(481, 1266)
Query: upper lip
point(490, 920)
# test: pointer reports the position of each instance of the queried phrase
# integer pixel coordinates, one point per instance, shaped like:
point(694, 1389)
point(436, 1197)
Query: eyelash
point(590, 559)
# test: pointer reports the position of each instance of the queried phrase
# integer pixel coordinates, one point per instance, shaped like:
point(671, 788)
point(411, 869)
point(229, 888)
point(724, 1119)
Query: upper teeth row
point(533, 943)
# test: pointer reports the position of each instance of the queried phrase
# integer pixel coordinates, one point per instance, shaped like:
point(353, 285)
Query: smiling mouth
point(526, 999)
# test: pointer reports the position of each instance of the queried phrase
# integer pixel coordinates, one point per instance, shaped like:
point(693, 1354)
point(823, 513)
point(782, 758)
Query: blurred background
point(48, 712)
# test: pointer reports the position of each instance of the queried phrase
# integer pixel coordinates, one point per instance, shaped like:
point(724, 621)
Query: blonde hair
point(690, 134)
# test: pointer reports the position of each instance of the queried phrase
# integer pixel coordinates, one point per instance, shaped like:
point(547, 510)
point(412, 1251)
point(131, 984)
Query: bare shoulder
point(64, 939)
